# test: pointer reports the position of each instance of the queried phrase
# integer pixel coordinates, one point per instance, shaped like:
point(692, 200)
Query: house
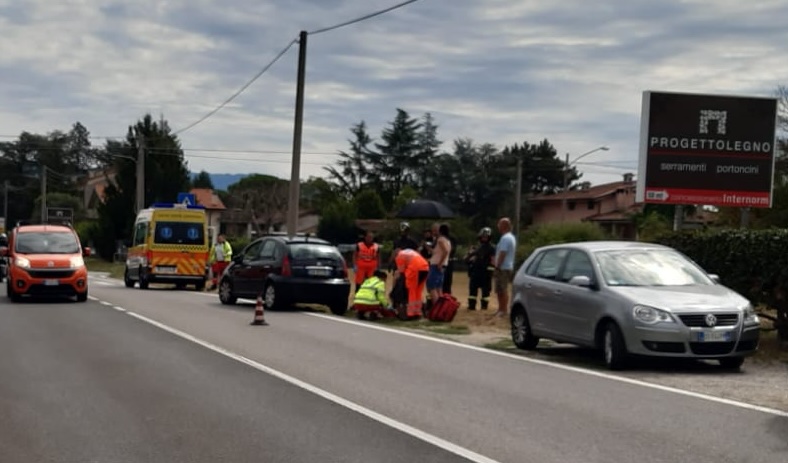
point(611, 205)
point(240, 222)
point(214, 207)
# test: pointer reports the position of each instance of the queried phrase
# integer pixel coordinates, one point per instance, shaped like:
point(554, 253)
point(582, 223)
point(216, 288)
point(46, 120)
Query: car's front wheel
point(82, 297)
point(339, 308)
point(522, 337)
point(731, 363)
point(614, 348)
point(127, 279)
point(271, 299)
point(226, 295)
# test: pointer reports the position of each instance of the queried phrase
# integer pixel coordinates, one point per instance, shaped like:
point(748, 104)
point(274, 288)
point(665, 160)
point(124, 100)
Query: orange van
point(46, 260)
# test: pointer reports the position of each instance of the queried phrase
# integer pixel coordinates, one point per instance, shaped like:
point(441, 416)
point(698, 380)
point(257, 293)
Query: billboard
point(707, 149)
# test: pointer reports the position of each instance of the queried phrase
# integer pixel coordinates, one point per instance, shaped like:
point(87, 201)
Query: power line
point(362, 18)
point(240, 90)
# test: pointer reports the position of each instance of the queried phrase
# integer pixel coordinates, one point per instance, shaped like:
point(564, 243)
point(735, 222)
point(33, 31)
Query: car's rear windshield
point(186, 233)
point(47, 243)
point(313, 251)
point(649, 267)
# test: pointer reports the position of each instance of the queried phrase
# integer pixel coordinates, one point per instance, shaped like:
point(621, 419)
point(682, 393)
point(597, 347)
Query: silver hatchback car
point(630, 298)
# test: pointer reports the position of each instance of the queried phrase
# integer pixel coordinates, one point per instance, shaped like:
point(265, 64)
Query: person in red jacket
point(366, 259)
point(414, 268)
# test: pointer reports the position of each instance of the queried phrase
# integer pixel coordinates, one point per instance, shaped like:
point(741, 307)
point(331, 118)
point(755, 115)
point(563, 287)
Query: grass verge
point(115, 269)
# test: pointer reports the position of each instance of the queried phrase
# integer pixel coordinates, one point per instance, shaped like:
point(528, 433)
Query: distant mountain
point(222, 181)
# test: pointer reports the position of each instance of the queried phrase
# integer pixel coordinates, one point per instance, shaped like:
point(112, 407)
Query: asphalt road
point(503, 408)
point(83, 383)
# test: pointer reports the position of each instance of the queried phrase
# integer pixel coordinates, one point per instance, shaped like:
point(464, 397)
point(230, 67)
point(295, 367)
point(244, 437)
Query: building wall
point(551, 211)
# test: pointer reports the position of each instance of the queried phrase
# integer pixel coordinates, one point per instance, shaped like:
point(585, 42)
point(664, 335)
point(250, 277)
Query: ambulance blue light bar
point(176, 206)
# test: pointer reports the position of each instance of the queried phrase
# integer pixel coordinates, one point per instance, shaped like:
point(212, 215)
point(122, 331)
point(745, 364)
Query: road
point(137, 390)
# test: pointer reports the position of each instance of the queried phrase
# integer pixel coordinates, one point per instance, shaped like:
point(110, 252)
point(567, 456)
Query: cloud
point(499, 71)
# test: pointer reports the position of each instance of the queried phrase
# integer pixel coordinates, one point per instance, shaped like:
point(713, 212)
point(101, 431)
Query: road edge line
point(360, 409)
point(612, 377)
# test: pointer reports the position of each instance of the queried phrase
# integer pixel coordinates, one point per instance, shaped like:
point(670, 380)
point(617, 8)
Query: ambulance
point(169, 245)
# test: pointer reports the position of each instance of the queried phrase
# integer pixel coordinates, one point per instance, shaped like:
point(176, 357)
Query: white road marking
point(109, 304)
point(93, 298)
point(417, 433)
point(584, 371)
point(119, 309)
point(559, 366)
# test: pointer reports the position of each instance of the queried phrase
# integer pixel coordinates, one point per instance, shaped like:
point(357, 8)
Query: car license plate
point(169, 270)
point(714, 336)
point(51, 282)
point(319, 272)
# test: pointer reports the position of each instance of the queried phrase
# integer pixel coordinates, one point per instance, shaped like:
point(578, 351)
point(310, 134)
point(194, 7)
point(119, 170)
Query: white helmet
point(404, 226)
point(3, 236)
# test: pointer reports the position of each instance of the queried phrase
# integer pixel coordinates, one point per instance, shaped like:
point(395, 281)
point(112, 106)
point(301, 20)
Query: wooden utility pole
point(517, 199)
point(43, 194)
point(140, 203)
point(295, 173)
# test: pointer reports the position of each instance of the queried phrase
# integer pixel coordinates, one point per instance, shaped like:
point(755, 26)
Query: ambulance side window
point(140, 232)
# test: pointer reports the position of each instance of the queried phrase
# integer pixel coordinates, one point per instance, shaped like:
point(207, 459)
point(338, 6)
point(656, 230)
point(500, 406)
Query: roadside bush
point(752, 262)
point(238, 243)
point(545, 235)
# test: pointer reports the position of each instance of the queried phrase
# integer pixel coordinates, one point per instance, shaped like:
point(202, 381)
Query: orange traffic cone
point(259, 312)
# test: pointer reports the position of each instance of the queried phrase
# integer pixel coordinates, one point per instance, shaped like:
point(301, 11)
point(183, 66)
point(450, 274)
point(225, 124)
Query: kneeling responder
point(371, 296)
point(415, 269)
point(480, 269)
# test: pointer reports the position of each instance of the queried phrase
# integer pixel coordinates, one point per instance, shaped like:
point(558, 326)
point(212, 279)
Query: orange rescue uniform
point(415, 268)
point(366, 261)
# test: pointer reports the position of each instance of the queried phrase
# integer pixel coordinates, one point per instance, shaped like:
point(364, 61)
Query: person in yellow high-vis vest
point(220, 257)
point(371, 297)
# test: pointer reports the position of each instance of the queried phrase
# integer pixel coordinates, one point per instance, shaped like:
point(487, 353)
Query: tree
point(369, 205)
point(166, 175)
point(202, 180)
point(398, 157)
point(264, 197)
point(337, 223)
point(354, 169)
point(317, 194)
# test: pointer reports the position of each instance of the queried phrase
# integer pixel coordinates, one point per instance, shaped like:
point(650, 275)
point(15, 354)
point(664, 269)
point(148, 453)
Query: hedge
point(753, 263)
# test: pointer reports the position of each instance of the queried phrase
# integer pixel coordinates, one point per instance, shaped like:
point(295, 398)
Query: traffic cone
point(259, 312)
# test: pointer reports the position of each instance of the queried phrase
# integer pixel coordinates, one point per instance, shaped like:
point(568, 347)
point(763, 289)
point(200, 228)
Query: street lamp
point(567, 165)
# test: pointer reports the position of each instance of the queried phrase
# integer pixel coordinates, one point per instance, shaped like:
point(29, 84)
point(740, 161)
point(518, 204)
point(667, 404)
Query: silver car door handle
point(557, 292)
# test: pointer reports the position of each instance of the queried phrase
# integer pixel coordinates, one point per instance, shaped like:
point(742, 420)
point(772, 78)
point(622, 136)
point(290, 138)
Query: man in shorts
point(504, 265)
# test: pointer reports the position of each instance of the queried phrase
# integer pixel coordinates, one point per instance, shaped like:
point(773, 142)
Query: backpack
point(444, 309)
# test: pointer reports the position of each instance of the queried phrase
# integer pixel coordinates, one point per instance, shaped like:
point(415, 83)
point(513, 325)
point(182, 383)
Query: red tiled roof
point(207, 198)
point(593, 192)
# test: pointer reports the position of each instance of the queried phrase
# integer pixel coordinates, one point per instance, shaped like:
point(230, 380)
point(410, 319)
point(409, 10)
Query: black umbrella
point(425, 209)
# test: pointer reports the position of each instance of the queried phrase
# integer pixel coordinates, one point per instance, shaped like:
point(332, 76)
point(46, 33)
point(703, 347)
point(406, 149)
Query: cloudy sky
point(498, 71)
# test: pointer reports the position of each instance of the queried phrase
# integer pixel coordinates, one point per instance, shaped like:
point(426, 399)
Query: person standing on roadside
point(427, 243)
point(480, 269)
point(221, 255)
point(366, 259)
point(438, 262)
point(448, 275)
point(504, 265)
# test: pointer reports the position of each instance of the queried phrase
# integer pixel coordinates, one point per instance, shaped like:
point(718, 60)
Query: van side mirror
point(86, 252)
point(582, 281)
point(715, 277)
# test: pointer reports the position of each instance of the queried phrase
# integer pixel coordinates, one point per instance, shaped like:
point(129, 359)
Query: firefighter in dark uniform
point(480, 269)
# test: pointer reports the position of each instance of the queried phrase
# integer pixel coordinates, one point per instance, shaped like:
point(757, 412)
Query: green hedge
point(752, 262)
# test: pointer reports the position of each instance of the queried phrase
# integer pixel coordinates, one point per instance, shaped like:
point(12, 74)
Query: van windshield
point(47, 243)
point(188, 233)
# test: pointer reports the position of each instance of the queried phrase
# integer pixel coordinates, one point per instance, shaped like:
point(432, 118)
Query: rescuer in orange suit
point(366, 259)
point(415, 269)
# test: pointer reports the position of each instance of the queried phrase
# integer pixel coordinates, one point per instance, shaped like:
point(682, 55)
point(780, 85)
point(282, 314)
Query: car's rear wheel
point(522, 336)
point(614, 348)
point(271, 299)
point(731, 363)
point(200, 286)
point(127, 279)
point(226, 295)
